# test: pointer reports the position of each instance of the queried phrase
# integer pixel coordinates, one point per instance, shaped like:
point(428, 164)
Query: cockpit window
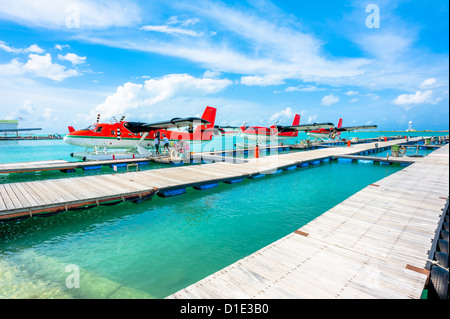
point(90, 128)
point(99, 129)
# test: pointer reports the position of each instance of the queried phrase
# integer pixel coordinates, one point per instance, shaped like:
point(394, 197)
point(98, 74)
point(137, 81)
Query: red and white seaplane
point(275, 132)
point(333, 132)
point(136, 139)
point(261, 134)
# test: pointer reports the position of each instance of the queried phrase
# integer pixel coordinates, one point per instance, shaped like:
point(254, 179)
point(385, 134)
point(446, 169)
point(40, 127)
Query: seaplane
point(260, 134)
point(275, 132)
point(136, 139)
point(332, 132)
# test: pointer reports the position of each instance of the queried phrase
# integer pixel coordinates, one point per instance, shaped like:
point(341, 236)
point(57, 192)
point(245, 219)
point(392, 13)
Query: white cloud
point(60, 47)
point(287, 113)
point(269, 51)
point(34, 48)
point(13, 68)
point(329, 99)
point(49, 115)
point(420, 97)
point(41, 65)
point(428, 83)
point(211, 74)
point(270, 79)
point(72, 57)
point(144, 96)
point(53, 14)
point(350, 93)
point(171, 30)
point(312, 118)
point(37, 65)
point(373, 96)
point(22, 112)
point(184, 23)
point(7, 48)
point(303, 88)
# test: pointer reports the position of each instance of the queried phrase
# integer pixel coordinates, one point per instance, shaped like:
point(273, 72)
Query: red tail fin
point(210, 115)
point(295, 122)
point(71, 129)
point(339, 125)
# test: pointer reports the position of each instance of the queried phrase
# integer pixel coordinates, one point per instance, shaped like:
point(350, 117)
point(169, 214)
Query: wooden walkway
point(372, 245)
point(63, 165)
point(49, 196)
point(389, 159)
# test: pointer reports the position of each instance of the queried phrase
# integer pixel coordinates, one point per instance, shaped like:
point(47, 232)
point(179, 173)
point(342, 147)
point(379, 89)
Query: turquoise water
point(153, 249)
point(37, 150)
point(410, 151)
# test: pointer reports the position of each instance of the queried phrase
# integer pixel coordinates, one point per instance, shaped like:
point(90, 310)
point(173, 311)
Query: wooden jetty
point(375, 244)
point(387, 159)
point(63, 165)
point(56, 195)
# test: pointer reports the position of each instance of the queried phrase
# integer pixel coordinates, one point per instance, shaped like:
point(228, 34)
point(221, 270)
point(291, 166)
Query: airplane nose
point(67, 139)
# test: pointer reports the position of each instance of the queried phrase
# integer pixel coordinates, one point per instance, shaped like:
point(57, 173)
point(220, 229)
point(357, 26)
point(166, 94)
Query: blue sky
point(257, 61)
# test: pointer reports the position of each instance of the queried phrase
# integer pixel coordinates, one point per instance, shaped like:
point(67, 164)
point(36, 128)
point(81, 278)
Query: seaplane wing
point(138, 127)
point(355, 128)
point(305, 127)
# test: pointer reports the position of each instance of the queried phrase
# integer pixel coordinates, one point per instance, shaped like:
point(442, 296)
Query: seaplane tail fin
point(207, 130)
point(339, 126)
point(296, 120)
point(210, 115)
point(71, 129)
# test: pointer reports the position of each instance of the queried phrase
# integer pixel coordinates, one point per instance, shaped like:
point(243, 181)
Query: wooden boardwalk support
point(372, 245)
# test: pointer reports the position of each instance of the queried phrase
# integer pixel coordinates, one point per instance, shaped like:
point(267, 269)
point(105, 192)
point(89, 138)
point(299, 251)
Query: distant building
point(8, 125)
point(410, 129)
point(11, 127)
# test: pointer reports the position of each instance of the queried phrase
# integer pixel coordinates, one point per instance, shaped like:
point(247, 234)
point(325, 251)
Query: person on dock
point(166, 143)
point(156, 144)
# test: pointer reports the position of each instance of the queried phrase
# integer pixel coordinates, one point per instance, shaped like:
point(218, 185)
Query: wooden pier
point(387, 159)
point(375, 244)
point(56, 195)
point(63, 165)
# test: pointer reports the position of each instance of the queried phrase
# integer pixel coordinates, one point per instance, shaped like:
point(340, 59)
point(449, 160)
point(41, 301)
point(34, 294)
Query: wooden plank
point(23, 200)
point(12, 196)
point(37, 194)
point(2, 203)
point(6, 200)
point(96, 191)
point(58, 188)
point(31, 200)
point(49, 191)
